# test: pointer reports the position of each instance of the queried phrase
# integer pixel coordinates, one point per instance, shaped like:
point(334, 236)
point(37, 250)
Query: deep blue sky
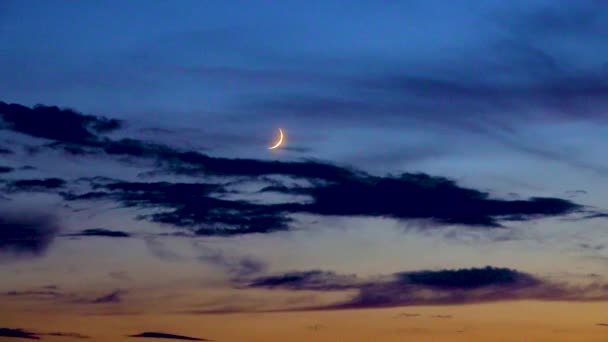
point(421, 77)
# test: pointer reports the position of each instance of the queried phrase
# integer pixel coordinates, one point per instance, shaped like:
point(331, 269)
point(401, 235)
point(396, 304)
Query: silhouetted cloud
point(5, 169)
point(24, 334)
point(28, 233)
point(443, 287)
point(308, 280)
point(18, 333)
point(5, 151)
point(54, 123)
point(195, 206)
point(101, 232)
point(167, 336)
point(41, 293)
point(420, 196)
point(334, 190)
point(602, 324)
point(112, 297)
point(35, 185)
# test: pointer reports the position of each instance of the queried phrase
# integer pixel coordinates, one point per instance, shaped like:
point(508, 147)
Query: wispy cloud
point(442, 287)
point(159, 335)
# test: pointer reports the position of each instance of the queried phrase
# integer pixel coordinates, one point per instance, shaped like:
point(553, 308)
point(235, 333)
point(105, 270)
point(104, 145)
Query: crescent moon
point(278, 143)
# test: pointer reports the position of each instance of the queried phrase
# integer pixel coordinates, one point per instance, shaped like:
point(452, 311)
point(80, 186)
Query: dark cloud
point(602, 324)
point(18, 333)
point(167, 336)
point(334, 190)
point(64, 125)
point(196, 206)
point(420, 196)
point(66, 334)
point(110, 298)
point(24, 334)
point(35, 185)
point(101, 232)
point(5, 151)
point(176, 161)
point(39, 294)
point(309, 280)
point(464, 278)
point(6, 169)
point(26, 233)
point(192, 206)
point(596, 247)
point(59, 296)
point(443, 287)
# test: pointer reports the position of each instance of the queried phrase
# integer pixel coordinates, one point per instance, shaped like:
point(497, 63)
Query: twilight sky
point(443, 176)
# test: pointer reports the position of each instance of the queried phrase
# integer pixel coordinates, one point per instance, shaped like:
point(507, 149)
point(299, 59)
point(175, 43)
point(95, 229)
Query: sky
point(442, 176)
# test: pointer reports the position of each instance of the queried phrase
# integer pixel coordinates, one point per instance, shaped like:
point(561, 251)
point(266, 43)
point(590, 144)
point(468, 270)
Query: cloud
point(309, 280)
point(196, 206)
point(239, 267)
point(334, 190)
point(442, 287)
point(55, 294)
point(24, 334)
point(6, 169)
point(18, 333)
point(421, 196)
point(5, 151)
point(110, 298)
point(192, 206)
point(602, 324)
point(64, 125)
point(167, 336)
point(26, 233)
point(100, 232)
point(35, 185)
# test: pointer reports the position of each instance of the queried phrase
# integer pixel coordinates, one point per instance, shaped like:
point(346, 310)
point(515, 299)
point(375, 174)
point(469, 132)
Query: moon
point(279, 142)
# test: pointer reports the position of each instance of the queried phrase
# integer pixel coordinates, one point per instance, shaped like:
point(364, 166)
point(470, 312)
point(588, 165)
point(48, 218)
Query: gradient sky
point(444, 174)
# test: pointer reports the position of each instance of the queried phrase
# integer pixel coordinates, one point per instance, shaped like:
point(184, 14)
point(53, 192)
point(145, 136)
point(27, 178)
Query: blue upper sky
point(384, 85)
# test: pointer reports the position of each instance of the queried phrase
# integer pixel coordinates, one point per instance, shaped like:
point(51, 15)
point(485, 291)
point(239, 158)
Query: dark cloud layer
point(26, 233)
point(110, 298)
point(5, 169)
point(443, 287)
point(159, 335)
point(334, 190)
point(54, 123)
point(35, 185)
point(192, 207)
point(101, 232)
point(309, 280)
point(410, 196)
point(18, 333)
point(24, 334)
